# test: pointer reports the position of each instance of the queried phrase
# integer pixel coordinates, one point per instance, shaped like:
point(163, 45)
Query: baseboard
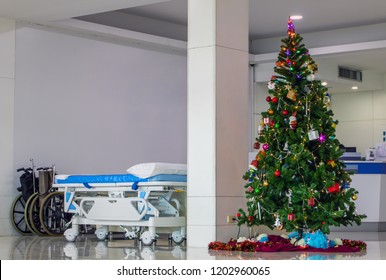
point(364, 227)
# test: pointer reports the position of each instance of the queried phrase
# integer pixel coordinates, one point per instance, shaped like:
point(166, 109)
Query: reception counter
point(369, 178)
point(366, 167)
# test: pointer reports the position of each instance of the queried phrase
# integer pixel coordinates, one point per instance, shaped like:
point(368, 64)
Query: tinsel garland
point(354, 244)
point(277, 243)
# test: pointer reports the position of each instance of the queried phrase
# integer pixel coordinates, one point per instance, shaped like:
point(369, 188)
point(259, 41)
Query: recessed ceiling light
point(354, 87)
point(324, 83)
point(296, 17)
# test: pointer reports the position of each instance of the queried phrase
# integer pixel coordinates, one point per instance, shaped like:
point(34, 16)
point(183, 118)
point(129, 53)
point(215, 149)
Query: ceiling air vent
point(351, 74)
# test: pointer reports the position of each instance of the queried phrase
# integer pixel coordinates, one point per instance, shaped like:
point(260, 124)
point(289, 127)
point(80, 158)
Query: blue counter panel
point(365, 167)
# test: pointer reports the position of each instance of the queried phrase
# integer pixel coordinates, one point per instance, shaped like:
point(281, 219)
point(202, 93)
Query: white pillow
point(145, 170)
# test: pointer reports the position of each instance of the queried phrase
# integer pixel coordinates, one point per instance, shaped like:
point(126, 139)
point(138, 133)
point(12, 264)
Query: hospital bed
point(140, 206)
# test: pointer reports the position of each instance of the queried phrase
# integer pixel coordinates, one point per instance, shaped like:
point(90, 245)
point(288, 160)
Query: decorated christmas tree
point(297, 181)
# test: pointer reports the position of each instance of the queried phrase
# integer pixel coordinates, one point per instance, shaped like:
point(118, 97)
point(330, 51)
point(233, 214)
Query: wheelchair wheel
point(52, 216)
point(17, 216)
point(27, 209)
point(33, 217)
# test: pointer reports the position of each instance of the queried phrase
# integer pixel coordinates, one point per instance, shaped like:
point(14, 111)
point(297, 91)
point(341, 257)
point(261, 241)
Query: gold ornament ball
point(354, 197)
point(265, 184)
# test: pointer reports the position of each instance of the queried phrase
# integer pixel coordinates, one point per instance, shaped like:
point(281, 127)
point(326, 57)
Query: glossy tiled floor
point(88, 247)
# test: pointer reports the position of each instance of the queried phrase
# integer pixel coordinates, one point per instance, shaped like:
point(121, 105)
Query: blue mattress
point(118, 178)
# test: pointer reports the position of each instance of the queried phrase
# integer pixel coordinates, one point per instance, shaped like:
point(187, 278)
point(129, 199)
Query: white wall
point(85, 105)
point(89, 106)
point(7, 73)
point(362, 118)
point(260, 105)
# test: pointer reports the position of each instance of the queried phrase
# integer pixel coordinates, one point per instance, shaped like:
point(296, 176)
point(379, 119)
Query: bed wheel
point(177, 237)
point(147, 238)
point(101, 233)
point(70, 235)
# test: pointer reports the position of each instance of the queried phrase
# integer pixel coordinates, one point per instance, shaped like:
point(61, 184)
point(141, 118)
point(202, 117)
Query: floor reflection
point(224, 255)
point(88, 247)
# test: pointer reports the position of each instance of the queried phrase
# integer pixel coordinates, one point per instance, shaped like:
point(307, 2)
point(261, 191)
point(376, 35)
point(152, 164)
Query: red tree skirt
point(280, 244)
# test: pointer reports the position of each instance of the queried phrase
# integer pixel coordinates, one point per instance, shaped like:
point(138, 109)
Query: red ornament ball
point(277, 173)
point(238, 215)
point(256, 145)
point(334, 188)
point(250, 218)
point(268, 99)
point(274, 100)
point(285, 112)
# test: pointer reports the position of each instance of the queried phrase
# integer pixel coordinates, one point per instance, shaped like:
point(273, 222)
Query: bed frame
point(140, 208)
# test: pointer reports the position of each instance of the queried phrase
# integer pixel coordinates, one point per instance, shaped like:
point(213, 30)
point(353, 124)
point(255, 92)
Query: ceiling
point(267, 18)
point(270, 18)
point(169, 18)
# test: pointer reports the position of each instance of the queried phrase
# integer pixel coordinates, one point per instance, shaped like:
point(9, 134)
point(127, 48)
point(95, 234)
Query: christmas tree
point(297, 181)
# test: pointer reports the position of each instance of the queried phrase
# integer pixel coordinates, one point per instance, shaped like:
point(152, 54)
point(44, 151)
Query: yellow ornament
point(288, 87)
point(354, 197)
point(333, 125)
point(332, 163)
point(313, 67)
point(265, 184)
point(291, 95)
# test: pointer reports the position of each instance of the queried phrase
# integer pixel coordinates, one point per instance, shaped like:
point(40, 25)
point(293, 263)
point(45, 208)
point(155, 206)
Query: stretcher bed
point(139, 206)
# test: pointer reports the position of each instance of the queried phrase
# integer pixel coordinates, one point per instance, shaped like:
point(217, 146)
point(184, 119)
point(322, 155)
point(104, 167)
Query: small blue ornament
point(263, 239)
point(294, 234)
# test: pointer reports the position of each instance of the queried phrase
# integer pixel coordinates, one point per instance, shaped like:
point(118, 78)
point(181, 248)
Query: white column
point(7, 81)
point(217, 116)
